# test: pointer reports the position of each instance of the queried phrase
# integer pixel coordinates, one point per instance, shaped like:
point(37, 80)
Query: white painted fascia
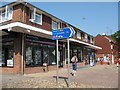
point(93, 46)
point(26, 26)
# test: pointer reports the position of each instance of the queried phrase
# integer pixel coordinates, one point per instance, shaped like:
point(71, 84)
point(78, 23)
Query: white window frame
point(78, 34)
point(33, 14)
point(91, 39)
point(58, 25)
point(53, 24)
point(86, 37)
point(5, 12)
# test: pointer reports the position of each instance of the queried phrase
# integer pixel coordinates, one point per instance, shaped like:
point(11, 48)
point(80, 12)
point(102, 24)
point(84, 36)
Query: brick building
point(27, 40)
point(109, 49)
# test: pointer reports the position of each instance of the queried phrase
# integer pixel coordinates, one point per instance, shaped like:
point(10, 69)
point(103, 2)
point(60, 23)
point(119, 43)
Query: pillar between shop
point(83, 56)
point(17, 53)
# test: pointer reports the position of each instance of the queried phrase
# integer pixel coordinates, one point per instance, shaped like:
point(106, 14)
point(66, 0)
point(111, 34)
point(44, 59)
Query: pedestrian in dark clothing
point(74, 61)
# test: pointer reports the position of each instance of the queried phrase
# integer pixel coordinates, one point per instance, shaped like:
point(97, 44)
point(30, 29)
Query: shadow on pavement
point(62, 78)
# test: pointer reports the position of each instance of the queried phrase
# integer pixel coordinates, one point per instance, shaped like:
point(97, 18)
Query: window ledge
point(6, 20)
point(79, 38)
point(35, 22)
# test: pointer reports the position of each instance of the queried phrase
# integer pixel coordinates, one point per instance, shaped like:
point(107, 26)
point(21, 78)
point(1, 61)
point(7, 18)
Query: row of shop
point(38, 50)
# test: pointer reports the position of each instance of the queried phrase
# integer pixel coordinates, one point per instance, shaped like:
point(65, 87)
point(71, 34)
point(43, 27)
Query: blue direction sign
point(62, 33)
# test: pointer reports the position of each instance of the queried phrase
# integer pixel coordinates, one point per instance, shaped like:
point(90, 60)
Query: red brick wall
point(46, 21)
point(16, 55)
point(104, 43)
point(18, 16)
point(17, 13)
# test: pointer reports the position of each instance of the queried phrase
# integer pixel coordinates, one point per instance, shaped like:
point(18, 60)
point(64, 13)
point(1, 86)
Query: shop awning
point(29, 29)
point(26, 28)
point(84, 43)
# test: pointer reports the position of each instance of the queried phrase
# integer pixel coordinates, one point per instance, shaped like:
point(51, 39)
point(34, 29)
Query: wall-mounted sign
point(10, 62)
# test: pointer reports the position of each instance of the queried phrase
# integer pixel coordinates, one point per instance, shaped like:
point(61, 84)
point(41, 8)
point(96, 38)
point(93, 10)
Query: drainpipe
point(23, 54)
point(23, 45)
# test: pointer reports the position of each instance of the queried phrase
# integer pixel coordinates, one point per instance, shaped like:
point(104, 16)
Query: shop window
point(54, 25)
point(78, 53)
point(79, 34)
point(37, 54)
point(106, 57)
point(7, 54)
point(6, 14)
point(33, 54)
point(52, 53)
point(35, 17)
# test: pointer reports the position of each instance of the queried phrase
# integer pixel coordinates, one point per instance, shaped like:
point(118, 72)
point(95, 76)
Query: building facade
point(27, 40)
point(109, 51)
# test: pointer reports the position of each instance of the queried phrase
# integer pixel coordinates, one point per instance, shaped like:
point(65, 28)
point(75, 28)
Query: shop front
point(41, 50)
point(37, 51)
point(26, 48)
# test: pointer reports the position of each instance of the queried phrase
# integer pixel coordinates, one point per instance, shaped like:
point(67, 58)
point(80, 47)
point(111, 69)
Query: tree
point(116, 36)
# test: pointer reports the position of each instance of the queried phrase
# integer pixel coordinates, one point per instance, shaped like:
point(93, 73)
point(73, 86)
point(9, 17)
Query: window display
point(28, 55)
point(7, 54)
point(40, 50)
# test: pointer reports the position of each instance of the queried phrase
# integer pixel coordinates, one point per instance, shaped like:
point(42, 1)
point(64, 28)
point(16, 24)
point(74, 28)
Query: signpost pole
point(60, 34)
point(57, 61)
point(68, 63)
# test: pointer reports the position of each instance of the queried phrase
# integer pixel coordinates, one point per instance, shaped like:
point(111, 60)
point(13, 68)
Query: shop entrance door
point(60, 58)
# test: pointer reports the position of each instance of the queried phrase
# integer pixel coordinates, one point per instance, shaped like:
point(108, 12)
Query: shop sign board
point(62, 33)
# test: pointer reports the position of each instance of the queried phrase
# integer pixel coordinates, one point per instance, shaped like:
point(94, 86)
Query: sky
point(91, 17)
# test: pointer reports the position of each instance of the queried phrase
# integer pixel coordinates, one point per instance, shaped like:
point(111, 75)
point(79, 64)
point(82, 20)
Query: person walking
point(45, 64)
point(117, 62)
point(74, 61)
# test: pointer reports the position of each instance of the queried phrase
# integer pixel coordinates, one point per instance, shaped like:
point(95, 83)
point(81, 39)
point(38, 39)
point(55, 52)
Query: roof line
point(23, 2)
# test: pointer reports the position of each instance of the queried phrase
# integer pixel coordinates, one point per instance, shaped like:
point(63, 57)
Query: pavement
point(100, 76)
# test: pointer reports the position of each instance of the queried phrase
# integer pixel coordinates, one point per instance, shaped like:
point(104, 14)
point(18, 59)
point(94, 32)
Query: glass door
point(46, 56)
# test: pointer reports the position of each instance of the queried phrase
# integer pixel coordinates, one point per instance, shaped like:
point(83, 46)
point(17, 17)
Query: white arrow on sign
point(72, 31)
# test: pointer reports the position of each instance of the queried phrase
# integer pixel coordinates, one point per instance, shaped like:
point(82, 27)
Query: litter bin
point(45, 67)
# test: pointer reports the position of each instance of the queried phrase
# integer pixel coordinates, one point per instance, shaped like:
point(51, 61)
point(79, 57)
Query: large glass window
point(106, 58)
point(77, 52)
point(37, 54)
point(52, 53)
point(6, 15)
point(7, 54)
point(35, 17)
point(54, 25)
point(33, 54)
